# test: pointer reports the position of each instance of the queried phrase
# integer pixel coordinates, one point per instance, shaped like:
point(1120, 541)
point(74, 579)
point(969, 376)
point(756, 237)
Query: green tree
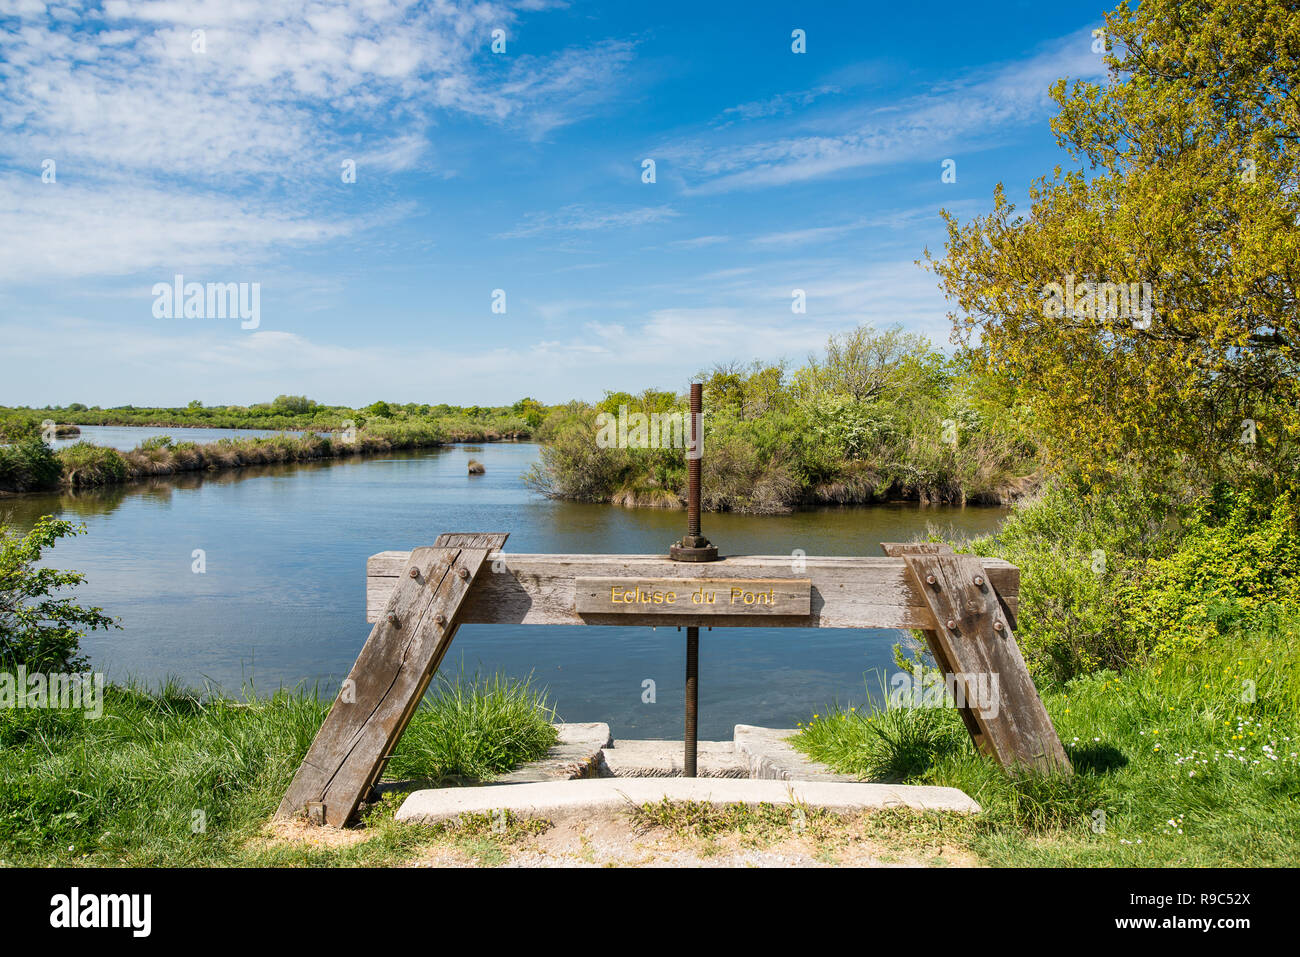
point(39, 629)
point(532, 411)
point(1189, 182)
point(296, 404)
point(863, 364)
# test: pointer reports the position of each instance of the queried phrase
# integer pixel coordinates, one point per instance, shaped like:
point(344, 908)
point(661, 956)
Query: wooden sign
point(692, 596)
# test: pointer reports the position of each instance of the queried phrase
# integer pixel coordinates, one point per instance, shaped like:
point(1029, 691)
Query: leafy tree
point(1192, 184)
point(38, 629)
point(533, 412)
point(863, 364)
point(293, 403)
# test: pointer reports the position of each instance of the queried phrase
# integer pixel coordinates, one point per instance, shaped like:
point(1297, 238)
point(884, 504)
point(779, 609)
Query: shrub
point(28, 465)
point(15, 426)
point(88, 465)
point(1237, 564)
point(37, 629)
point(1076, 554)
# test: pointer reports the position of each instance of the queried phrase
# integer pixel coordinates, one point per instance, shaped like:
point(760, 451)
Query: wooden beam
point(973, 639)
point(847, 592)
point(898, 550)
point(388, 680)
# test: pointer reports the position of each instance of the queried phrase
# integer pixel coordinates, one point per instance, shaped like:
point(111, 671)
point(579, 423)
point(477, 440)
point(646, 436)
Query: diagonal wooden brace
point(388, 680)
point(973, 640)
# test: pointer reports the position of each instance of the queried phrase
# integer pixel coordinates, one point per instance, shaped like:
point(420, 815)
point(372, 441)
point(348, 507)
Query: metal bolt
point(393, 620)
point(415, 573)
point(931, 580)
point(952, 625)
point(463, 572)
point(979, 580)
point(997, 626)
point(440, 619)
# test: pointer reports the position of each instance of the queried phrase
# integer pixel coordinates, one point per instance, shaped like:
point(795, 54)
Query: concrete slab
point(664, 759)
point(576, 754)
point(560, 798)
point(769, 756)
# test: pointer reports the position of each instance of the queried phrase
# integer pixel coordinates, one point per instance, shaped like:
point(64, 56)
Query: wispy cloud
point(206, 130)
point(581, 218)
point(967, 113)
point(783, 104)
point(69, 230)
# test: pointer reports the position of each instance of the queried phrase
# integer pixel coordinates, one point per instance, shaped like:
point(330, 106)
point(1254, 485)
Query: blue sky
point(477, 171)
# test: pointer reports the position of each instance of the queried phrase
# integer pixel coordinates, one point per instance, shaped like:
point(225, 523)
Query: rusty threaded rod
point(693, 462)
point(692, 699)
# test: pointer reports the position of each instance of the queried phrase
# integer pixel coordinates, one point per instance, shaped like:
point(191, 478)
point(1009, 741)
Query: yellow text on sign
point(686, 596)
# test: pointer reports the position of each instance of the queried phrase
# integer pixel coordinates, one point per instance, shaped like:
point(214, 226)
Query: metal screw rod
point(693, 463)
point(692, 699)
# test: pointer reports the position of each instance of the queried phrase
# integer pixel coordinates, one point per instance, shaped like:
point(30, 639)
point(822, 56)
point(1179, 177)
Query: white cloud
point(148, 134)
point(969, 113)
point(580, 218)
point(782, 104)
point(67, 230)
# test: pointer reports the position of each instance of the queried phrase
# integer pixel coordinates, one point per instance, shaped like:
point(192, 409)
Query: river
point(282, 599)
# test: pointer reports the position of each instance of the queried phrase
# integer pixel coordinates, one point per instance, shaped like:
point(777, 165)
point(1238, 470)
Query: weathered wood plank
point(976, 642)
point(847, 592)
point(708, 596)
point(489, 540)
point(385, 685)
point(899, 549)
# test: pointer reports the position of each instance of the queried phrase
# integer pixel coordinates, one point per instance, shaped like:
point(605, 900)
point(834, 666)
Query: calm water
point(127, 437)
point(283, 599)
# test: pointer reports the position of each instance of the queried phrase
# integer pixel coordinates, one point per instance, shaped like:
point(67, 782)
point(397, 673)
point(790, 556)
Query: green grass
point(475, 729)
point(177, 778)
point(1185, 769)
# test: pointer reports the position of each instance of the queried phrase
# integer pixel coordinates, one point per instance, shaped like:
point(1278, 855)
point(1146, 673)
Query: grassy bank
point(30, 465)
point(288, 413)
point(177, 778)
point(1172, 766)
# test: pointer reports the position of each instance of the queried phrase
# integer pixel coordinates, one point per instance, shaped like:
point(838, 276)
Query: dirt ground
point(609, 840)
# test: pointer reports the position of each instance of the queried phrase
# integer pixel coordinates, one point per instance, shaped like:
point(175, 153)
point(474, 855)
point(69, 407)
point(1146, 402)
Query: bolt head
point(415, 573)
point(979, 580)
point(931, 580)
point(952, 625)
point(440, 619)
point(463, 572)
point(392, 620)
point(998, 626)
